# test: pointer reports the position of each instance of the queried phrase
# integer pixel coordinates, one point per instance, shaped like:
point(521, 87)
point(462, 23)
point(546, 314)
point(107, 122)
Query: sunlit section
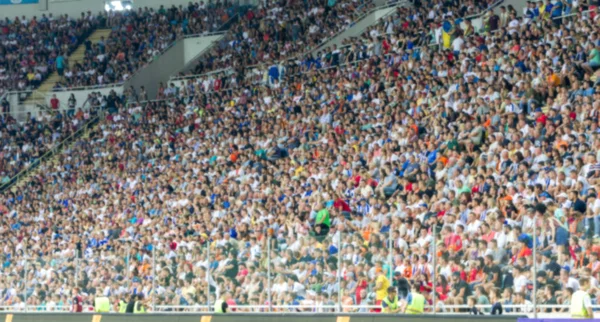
point(118, 5)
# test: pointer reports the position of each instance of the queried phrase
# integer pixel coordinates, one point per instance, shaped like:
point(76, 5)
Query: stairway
point(39, 97)
point(27, 174)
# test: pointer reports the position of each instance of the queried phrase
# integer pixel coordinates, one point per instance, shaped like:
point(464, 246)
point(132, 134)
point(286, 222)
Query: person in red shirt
point(452, 240)
point(486, 233)
point(217, 85)
point(77, 305)
point(361, 289)
point(540, 117)
point(54, 102)
point(386, 46)
point(341, 205)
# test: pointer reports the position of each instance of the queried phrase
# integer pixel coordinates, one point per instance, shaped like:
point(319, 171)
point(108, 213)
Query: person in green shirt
point(322, 222)
point(594, 60)
point(463, 187)
point(481, 298)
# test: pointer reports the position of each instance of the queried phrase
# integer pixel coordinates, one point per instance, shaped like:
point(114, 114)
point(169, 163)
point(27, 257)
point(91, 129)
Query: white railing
point(389, 4)
point(186, 77)
point(92, 87)
point(514, 310)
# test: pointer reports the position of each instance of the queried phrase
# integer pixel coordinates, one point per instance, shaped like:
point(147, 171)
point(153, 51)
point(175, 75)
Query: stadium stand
point(137, 37)
point(31, 49)
point(24, 143)
point(399, 158)
point(283, 30)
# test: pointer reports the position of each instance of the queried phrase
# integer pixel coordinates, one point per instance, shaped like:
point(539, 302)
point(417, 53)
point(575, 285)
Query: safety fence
point(202, 272)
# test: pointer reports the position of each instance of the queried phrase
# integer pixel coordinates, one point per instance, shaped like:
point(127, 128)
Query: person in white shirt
point(520, 280)
point(457, 44)
point(51, 304)
point(526, 305)
point(511, 108)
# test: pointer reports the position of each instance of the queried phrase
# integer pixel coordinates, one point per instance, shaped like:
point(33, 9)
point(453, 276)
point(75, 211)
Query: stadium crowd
point(482, 143)
point(31, 49)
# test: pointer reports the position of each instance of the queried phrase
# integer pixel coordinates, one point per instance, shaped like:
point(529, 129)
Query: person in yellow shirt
point(381, 285)
point(390, 303)
point(581, 303)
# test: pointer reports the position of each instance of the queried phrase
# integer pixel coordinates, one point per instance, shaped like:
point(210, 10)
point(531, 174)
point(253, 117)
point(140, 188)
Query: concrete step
point(53, 160)
point(75, 57)
point(98, 34)
point(79, 54)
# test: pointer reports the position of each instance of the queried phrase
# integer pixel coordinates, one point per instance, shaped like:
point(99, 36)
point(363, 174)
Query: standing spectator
point(381, 286)
point(60, 65)
point(54, 103)
point(72, 104)
point(5, 106)
point(581, 303)
point(77, 305)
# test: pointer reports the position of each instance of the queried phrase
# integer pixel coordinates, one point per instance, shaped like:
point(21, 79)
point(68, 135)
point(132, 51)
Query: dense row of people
point(32, 49)
point(485, 149)
point(25, 141)
point(255, 35)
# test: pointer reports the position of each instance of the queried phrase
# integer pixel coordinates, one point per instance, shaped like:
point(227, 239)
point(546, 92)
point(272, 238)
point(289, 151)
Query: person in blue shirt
point(60, 65)
point(548, 9)
point(557, 9)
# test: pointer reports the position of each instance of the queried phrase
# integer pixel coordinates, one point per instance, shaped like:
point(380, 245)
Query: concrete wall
point(195, 46)
point(74, 7)
point(517, 4)
point(159, 70)
point(80, 95)
point(169, 63)
point(19, 110)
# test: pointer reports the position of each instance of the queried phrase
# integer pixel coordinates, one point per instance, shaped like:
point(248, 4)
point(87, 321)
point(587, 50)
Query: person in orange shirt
point(234, 156)
point(524, 251)
point(553, 79)
point(594, 264)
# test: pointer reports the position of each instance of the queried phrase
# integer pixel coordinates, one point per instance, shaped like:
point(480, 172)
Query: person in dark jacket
point(131, 304)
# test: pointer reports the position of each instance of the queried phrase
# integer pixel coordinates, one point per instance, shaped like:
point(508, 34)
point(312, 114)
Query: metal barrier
point(211, 289)
point(308, 310)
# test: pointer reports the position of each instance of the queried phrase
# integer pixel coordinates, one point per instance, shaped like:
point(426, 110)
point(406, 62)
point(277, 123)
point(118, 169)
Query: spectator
point(55, 102)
